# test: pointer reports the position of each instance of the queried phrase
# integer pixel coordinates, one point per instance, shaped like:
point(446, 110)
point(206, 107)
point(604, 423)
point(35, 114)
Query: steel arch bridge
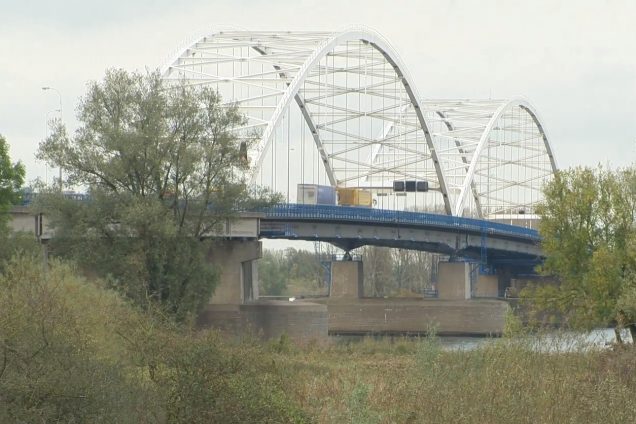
point(342, 109)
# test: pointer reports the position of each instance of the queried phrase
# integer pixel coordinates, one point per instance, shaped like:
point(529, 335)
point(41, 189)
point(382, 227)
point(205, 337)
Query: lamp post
point(46, 135)
point(59, 95)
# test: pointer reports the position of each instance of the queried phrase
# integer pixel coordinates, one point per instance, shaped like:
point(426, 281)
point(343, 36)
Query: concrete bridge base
point(236, 261)
point(269, 319)
point(235, 308)
point(463, 281)
point(417, 316)
point(347, 279)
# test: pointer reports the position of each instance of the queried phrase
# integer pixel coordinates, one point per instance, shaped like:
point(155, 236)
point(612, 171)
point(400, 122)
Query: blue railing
point(28, 197)
point(369, 215)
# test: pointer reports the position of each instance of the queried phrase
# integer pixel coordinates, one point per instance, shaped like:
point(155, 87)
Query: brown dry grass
point(410, 381)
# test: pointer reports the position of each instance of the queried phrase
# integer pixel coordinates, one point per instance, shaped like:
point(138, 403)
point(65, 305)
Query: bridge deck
point(358, 215)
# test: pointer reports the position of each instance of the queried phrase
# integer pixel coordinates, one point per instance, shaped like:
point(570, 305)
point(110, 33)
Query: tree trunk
point(617, 334)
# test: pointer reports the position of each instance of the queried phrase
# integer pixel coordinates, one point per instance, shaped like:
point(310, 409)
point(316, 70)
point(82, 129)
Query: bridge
point(342, 110)
point(460, 177)
point(352, 227)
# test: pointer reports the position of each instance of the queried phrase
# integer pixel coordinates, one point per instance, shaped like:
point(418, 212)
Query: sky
point(575, 60)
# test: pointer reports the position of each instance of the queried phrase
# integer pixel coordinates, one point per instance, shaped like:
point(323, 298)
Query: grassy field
point(418, 382)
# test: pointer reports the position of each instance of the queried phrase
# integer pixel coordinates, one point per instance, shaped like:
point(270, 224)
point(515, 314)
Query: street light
point(46, 135)
point(59, 95)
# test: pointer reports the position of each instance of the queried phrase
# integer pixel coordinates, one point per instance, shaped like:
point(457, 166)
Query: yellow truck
point(349, 196)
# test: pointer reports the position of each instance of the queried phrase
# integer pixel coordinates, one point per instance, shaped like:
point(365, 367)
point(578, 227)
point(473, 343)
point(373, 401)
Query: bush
point(73, 352)
point(55, 368)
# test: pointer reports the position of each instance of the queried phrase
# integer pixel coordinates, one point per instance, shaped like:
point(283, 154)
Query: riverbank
point(504, 381)
point(77, 352)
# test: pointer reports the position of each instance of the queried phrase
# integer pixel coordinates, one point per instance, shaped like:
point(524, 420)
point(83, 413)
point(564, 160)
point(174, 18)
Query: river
point(555, 341)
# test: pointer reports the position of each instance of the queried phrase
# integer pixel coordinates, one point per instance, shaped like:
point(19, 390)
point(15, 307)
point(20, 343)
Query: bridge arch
point(300, 67)
point(505, 150)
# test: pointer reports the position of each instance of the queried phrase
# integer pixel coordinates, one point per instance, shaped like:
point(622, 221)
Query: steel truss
point(495, 154)
point(357, 103)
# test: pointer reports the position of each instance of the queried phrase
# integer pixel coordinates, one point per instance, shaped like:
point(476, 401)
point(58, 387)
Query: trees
point(273, 273)
point(163, 169)
point(11, 179)
point(301, 268)
point(378, 272)
point(587, 228)
point(73, 352)
point(56, 350)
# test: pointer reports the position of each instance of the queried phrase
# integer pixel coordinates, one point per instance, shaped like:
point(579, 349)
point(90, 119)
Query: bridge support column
point(486, 285)
point(236, 261)
point(347, 279)
point(453, 280)
point(235, 309)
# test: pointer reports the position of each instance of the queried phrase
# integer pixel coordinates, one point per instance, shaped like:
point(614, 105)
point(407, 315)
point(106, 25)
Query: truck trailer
point(314, 194)
point(349, 196)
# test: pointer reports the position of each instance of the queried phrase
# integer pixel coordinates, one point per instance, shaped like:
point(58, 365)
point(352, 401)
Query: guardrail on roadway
point(369, 215)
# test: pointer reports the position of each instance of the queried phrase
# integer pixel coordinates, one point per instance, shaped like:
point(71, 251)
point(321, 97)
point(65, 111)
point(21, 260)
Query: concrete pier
point(417, 316)
point(238, 280)
point(266, 319)
point(347, 279)
point(453, 281)
point(236, 309)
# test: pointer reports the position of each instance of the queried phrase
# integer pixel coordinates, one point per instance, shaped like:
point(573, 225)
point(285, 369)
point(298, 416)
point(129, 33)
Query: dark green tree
point(164, 169)
point(273, 273)
point(11, 180)
point(587, 228)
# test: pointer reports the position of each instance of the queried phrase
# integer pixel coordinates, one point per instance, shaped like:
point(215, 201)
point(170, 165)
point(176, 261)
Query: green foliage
point(200, 379)
point(17, 242)
point(73, 352)
point(359, 410)
point(53, 365)
point(11, 179)
point(278, 269)
point(163, 169)
point(513, 326)
point(273, 273)
point(587, 227)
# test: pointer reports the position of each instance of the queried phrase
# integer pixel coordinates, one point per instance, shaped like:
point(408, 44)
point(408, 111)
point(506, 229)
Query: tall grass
point(506, 381)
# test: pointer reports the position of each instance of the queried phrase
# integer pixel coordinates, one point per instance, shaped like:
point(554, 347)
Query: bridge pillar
point(236, 261)
point(486, 286)
point(347, 279)
point(453, 280)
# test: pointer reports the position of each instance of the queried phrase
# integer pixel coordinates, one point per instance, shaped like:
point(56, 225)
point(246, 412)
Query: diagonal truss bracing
point(505, 154)
point(346, 85)
point(351, 96)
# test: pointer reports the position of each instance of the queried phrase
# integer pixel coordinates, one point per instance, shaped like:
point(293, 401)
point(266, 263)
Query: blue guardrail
point(368, 215)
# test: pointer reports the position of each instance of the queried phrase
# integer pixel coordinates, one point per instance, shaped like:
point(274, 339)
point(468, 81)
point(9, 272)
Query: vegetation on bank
point(164, 170)
point(74, 351)
point(588, 230)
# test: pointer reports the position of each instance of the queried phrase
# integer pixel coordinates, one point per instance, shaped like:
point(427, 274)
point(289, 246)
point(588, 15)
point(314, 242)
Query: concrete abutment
point(236, 309)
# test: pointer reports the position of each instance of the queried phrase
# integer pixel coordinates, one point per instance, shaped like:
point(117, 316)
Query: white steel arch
point(264, 72)
point(504, 150)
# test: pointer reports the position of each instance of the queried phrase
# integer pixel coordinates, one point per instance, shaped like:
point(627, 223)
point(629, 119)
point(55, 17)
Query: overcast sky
point(574, 60)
